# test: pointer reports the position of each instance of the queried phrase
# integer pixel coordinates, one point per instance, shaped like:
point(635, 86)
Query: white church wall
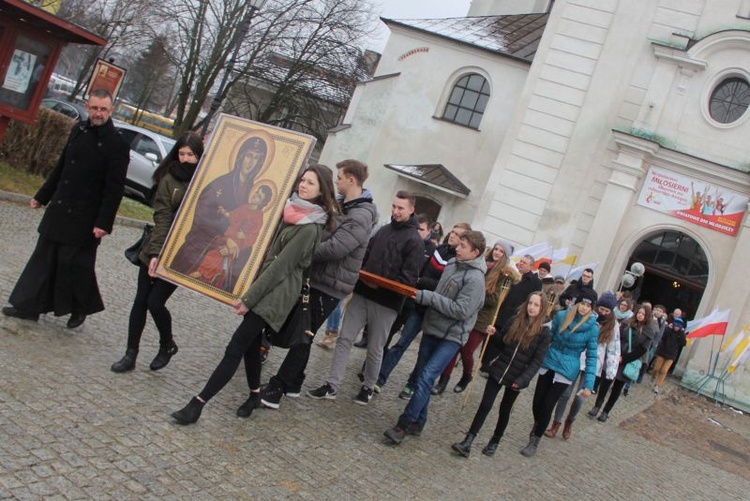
point(395, 122)
point(557, 89)
point(357, 140)
point(692, 127)
point(675, 17)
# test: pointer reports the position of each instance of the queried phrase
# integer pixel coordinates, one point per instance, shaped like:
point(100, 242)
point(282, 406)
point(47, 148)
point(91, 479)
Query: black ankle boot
point(530, 449)
point(164, 356)
point(491, 447)
point(126, 363)
point(246, 409)
point(76, 320)
point(464, 448)
point(190, 413)
point(440, 386)
point(362, 343)
point(462, 383)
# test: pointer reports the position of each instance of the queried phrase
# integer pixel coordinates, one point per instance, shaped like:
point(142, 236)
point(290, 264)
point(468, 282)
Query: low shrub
point(36, 147)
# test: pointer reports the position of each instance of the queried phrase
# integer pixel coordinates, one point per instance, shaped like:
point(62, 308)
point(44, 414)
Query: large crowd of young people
point(532, 331)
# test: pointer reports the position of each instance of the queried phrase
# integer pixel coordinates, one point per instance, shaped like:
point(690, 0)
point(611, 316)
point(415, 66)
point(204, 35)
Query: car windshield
point(168, 143)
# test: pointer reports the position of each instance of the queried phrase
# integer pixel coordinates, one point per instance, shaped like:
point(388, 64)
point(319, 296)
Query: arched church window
point(467, 100)
point(729, 100)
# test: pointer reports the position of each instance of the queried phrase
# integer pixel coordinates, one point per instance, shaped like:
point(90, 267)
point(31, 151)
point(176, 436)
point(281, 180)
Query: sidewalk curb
point(24, 199)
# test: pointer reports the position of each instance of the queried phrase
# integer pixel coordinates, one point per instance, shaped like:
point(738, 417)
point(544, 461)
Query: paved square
point(71, 429)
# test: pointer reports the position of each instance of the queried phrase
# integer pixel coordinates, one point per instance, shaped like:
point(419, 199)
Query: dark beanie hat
point(608, 300)
point(588, 295)
point(545, 265)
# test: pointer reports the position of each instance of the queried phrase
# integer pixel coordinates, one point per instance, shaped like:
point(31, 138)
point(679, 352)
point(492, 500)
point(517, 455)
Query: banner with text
point(692, 200)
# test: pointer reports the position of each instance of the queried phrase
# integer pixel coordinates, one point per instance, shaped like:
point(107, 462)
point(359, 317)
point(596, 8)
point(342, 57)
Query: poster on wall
point(232, 207)
point(20, 71)
point(106, 76)
point(705, 204)
point(22, 74)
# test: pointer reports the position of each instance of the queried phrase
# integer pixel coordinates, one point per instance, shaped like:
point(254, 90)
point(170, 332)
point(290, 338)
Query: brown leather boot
point(567, 429)
point(553, 429)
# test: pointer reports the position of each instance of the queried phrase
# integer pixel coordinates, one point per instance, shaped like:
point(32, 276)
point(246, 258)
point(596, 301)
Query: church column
point(628, 168)
point(734, 294)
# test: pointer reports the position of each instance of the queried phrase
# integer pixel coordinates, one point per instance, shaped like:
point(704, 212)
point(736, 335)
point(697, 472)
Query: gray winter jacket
point(455, 302)
point(339, 255)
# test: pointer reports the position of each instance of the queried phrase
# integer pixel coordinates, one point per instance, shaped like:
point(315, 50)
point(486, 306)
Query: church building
point(618, 129)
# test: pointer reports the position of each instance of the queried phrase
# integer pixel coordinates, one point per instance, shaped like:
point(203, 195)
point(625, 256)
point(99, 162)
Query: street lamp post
point(254, 5)
point(629, 277)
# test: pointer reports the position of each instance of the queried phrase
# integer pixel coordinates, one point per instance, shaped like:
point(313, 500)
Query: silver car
point(75, 111)
point(147, 150)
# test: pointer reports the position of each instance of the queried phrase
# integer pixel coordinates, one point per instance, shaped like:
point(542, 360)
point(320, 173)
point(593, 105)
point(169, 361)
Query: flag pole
point(716, 363)
point(713, 362)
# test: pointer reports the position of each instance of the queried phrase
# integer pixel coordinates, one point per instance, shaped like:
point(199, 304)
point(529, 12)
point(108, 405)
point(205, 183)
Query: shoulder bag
point(631, 369)
point(132, 252)
point(296, 328)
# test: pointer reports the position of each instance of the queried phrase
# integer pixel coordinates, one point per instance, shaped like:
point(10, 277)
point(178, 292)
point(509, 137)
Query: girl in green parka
point(171, 179)
point(275, 291)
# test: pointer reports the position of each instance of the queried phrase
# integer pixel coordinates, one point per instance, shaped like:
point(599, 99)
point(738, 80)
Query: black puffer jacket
point(434, 265)
point(338, 257)
point(530, 282)
point(395, 252)
point(671, 341)
point(575, 291)
point(640, 340)
point(524, 364)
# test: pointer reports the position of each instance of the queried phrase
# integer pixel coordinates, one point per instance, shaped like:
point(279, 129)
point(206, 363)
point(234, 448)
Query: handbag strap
point(305, 292)
point(630, 332)
point(509, 361)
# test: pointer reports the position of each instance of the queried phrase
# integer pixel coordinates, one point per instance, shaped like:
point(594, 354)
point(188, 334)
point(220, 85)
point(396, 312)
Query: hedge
point(36, 147)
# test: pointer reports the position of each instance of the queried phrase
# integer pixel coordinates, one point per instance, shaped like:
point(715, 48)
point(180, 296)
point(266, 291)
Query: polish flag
point(715, 324)
point(552, 256)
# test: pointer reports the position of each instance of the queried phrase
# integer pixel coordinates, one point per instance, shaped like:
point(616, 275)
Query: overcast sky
point(413, 9)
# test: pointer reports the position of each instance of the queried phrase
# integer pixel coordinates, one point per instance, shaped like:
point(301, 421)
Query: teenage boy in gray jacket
point(453, 308)
point(395, 252)
point(333, 273)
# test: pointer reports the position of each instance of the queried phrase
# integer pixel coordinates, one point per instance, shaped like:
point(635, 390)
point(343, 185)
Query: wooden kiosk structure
point(30, 43)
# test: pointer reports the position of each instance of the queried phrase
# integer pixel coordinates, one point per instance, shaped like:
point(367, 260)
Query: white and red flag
point(714, 324)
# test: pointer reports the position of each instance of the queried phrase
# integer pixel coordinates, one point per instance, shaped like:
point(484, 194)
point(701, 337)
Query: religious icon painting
point(233, 206)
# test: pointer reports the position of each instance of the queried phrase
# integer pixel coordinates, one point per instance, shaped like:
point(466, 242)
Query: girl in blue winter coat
point(573, 331)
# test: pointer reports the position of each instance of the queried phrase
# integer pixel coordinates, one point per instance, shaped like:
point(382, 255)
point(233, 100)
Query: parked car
point(76, 111)
point(147, 149)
